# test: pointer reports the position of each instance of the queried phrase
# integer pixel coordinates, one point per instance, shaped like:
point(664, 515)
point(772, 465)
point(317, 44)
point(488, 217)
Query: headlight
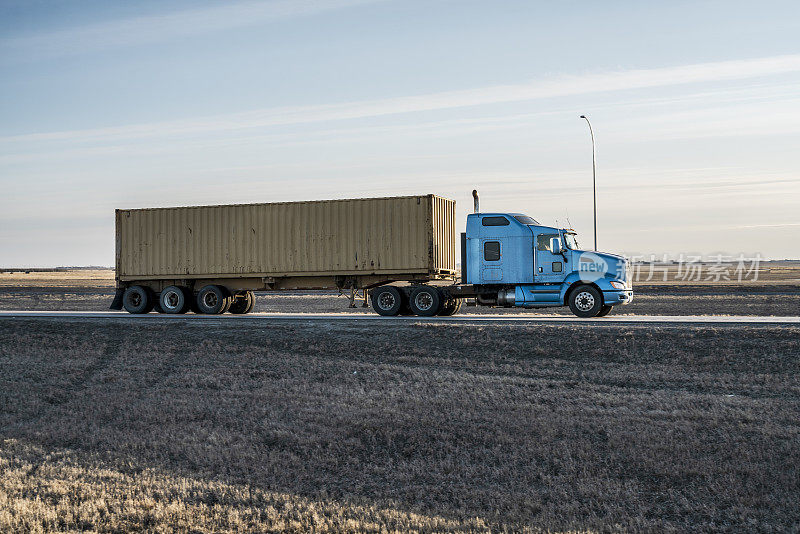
point(617, 285)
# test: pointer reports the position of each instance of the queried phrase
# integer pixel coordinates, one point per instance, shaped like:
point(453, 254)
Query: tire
point(252, 305)
point(605, 310)
point(138, 299)
point(228, 299)
point(585, 301)
point(426, 301)
point(213, 300)
point(173, 300)
point(387, 301)
point(245, 300)
point(450, 307)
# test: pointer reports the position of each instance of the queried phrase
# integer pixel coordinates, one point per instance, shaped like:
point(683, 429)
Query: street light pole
point(594, 180)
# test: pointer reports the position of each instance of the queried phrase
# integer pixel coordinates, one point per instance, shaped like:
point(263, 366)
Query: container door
point(550, 268)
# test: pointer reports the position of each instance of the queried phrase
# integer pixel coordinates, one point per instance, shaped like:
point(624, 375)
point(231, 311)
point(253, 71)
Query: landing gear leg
point(365, 304)
point(352, 298)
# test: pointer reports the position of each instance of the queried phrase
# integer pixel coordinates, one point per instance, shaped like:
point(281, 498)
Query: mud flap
point(116, 304)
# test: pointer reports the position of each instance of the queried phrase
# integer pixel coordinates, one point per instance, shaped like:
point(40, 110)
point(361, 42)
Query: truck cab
point(509, 259)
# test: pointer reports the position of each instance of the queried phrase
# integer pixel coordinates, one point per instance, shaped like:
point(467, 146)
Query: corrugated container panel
point(360, 236)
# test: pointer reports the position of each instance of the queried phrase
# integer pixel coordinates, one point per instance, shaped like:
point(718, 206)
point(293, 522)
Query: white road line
point(471, 318)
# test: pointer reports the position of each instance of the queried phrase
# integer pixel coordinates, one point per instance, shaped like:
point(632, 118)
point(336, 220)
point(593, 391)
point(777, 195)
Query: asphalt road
point(459, 319)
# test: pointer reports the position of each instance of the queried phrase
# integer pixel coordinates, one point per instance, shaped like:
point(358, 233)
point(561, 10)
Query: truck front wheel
point(605, 311)
point(387, 300)
point(585, 301)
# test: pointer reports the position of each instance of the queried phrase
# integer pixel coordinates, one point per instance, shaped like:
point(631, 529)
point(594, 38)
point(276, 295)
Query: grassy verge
point(254, 426)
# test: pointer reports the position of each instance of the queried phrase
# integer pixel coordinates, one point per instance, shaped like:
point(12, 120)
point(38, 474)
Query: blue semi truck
point(510, 260)
point(401, 251)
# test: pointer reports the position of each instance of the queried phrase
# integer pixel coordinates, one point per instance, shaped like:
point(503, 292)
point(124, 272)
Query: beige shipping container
point(393, 238)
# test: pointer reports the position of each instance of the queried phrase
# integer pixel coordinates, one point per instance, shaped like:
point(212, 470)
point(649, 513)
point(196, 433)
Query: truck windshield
point(571, 240)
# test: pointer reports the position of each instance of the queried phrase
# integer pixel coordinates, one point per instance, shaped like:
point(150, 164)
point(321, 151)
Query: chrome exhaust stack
point(476, 201)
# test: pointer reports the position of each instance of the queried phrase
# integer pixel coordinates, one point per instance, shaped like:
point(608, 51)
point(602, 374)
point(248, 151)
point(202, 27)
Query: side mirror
point(555, 245)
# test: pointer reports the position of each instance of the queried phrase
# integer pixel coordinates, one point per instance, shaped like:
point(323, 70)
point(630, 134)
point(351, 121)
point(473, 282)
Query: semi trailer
point(399, 252)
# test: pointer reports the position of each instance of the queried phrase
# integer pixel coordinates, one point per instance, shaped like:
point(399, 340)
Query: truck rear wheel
point(450, 307)
point(138, 299)
point(174, 299)
point(213, 300)
point(387, 300)
point(585, 301)
point(243, 303)
point(426, 301)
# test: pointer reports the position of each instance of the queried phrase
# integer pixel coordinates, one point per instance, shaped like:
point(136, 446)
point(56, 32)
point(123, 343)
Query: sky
point(695, 107)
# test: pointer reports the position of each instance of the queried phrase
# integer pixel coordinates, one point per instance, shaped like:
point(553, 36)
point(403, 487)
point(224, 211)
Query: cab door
point(550, 268)
point(493, 247)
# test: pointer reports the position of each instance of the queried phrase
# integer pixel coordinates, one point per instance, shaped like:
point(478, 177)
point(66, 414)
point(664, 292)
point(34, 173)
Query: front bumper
point(615, 297)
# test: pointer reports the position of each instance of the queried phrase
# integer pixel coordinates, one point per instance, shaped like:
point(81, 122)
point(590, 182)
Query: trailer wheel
point(173, 300)
point(212, 300)
point(426, 301)
point(245, 300)
point(228, 299)
point(450, 307)
point(585, 301)
point(605, 310)
point(387, 300)
point(138, 299)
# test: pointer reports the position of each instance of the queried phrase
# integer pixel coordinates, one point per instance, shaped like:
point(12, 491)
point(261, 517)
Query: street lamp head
point(583, 116)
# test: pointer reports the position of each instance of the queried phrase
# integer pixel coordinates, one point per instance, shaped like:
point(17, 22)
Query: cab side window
point(491, 251)
point(543, 241)
point(494, 221)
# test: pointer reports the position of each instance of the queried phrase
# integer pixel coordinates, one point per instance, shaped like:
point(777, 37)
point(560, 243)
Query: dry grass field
point(238, 426)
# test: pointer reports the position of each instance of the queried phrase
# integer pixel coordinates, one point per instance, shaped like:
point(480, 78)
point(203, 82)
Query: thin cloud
point(779, 225)
point(557, 86)
point(151, 29)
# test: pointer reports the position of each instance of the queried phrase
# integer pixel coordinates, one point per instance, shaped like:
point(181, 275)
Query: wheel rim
point(423, 301)
point(135, 299)
point(210, 299)
point(386, 300)
point(171, 300)
point(584, 301)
